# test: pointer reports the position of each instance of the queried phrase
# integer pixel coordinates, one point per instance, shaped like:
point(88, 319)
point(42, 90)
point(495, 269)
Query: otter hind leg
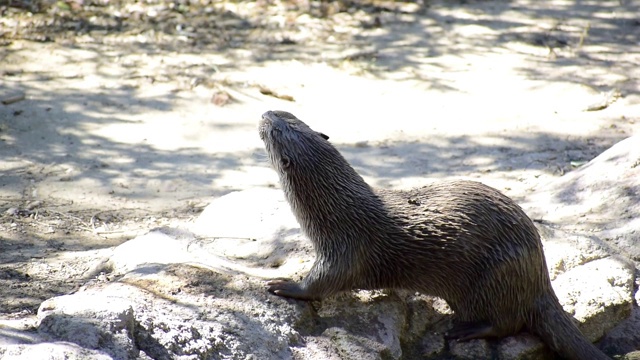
point(465, 331)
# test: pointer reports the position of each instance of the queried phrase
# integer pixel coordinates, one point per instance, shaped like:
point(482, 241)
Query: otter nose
point(269, 115)
point(266, 119)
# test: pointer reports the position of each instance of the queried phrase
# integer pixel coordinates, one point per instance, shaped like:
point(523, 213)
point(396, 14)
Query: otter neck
point(324, 204)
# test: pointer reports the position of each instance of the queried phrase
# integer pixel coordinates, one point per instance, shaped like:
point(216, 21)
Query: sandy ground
point(127, 127)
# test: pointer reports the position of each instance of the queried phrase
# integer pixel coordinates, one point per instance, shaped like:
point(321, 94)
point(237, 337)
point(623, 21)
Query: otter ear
point(285, 162)
point(326, 137)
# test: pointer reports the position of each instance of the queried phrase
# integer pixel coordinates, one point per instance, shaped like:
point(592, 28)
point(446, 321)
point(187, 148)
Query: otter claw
point(468, 331)
point(289, 289)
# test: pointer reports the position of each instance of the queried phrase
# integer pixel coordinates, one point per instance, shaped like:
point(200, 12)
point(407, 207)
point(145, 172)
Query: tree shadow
point(463, 156)
point(66, 145)
point(575, 40)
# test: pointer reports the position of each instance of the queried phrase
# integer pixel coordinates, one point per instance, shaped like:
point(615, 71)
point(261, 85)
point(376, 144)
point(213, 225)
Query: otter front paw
point(465, 331)
point(289, 289)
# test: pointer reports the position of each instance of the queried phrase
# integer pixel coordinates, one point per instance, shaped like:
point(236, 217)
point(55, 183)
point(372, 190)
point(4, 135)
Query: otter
point(462, 241)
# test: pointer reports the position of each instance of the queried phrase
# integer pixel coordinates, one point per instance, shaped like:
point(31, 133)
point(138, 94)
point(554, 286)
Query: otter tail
point(556, 328)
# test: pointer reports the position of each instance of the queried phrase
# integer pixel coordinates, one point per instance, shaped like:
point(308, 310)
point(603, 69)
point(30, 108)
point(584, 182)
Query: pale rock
point(471, 350)
point(601, 198)
point(93, 322)
point(58, 350)
point(598, 294)
point(523, 346)
point(255, 224)
point(265, 210)
point(564, 251)
point(18, 331)
point(373, 321)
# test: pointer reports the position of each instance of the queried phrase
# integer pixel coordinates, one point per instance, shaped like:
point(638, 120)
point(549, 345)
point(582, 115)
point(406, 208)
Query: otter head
point(319, 183)
point(291, 144)
point(314, 176)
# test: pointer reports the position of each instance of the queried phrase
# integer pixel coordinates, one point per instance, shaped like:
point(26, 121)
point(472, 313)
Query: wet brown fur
point(459, 240)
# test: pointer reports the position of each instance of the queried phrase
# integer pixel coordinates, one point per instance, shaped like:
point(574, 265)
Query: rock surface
point(92, 321)
point(601, 198)
point(198, 293)
point(52, 350)
point(585, 215)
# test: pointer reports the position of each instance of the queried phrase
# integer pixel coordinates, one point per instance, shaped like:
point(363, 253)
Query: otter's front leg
point(290, 289)
point(322, 281)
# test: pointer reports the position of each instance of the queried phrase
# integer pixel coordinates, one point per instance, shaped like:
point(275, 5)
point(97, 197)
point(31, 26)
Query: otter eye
point(285, 162)
point(326, 137)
